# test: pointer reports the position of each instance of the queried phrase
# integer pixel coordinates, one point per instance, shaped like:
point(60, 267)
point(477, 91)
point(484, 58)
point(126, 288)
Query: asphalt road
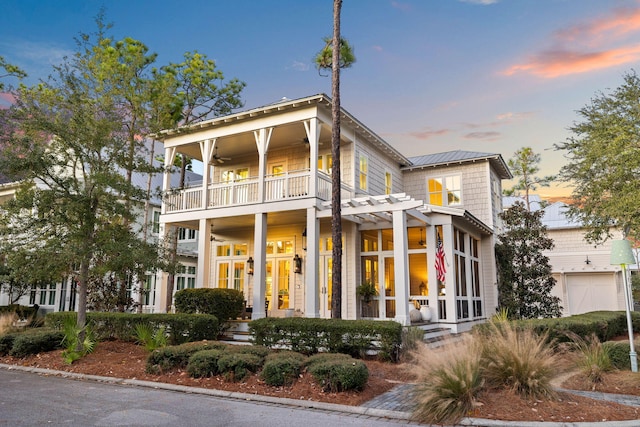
point(28, 399)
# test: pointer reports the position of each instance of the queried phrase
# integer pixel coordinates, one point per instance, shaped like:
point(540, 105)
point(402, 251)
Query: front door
point(324, 288)
point(278, 279)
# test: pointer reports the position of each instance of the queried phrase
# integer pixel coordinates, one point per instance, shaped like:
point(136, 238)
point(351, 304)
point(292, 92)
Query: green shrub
point(618, 352)
point(225, 304)
point(235, 366)
point(167, 358)
point(257, 350)
point(282, 368)
point(180, 328)
point(24, 312)
point(36, 341)
point(78, 342)
point(6, 342)
point(309, 336)
point(204, 363)
point(326, 357)
point(339, 374)
point(517, 358)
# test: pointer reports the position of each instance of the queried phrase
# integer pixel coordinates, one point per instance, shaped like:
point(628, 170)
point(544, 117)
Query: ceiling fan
point(217, 157)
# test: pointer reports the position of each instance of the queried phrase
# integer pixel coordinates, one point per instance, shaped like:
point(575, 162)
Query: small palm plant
point(74, 349)
point(150, 339)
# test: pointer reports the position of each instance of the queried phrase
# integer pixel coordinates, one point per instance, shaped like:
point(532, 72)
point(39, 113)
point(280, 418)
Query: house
point(585, 280)
point(61, 296)
point(263, 214)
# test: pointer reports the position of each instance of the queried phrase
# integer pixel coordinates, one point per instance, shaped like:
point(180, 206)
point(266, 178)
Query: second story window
point(388, 183)
point(325, 163)
point(445, 191)
point(364, 172)
point(186, 234)
point(155, 227)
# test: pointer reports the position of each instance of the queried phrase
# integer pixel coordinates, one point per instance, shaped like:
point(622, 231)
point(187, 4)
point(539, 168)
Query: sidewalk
point(396, 404)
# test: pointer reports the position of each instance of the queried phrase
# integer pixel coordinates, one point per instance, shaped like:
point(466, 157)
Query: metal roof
point(460, 156)
point(556, 217)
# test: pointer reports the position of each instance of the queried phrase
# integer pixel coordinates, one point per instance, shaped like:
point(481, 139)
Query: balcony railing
point(285, 186)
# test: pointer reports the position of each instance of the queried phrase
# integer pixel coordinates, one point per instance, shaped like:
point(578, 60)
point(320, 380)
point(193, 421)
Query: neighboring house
point(61, 296)
point(585, 281)
point(263, 212)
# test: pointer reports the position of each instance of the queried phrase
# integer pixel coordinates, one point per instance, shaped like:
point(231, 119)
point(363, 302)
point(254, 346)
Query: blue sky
point(430, 76)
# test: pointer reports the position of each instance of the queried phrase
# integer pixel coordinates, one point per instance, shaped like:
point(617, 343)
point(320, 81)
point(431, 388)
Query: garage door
point(591, 292)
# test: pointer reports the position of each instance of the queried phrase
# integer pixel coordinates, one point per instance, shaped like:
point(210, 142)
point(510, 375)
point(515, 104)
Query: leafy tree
point(604, 162)
point(524, 165)
point(9, 70)
point(200, 93)
point(340, 58)
point(70, 134)
point(524, 273)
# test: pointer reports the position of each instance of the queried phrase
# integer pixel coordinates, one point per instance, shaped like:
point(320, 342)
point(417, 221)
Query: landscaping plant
point(74, 349)
point(151, 339)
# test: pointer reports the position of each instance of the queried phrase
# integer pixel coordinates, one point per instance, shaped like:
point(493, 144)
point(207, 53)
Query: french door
point(278, 289)
point(324, 288)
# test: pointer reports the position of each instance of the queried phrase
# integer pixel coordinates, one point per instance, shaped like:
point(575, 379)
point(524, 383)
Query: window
point(186, 234)
point(186, 277)
point(364, 171)
point(388, 182)
point(325, 163)
point(149, 290)
point(445, 191)
point(156, 222)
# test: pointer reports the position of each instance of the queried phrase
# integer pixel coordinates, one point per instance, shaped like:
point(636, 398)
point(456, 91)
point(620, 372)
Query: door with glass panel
point(278, 289)
point(324, 288)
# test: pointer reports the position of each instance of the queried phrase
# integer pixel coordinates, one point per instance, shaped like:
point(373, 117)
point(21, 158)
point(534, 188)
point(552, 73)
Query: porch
point(288, 185)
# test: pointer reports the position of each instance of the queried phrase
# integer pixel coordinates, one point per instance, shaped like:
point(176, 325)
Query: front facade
point(263, 214)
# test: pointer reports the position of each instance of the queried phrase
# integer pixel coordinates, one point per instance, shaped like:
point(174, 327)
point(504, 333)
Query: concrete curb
point(332, 407)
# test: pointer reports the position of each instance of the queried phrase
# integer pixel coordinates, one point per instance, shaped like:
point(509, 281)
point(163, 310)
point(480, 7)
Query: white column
point(401, 267)
point(313, 135)
point(432, 277)
point(260, 261)
point(450, 276)
point(204, 254)
point(311, 303)
point(169, 155)
point(206, 151)
point(262, 136)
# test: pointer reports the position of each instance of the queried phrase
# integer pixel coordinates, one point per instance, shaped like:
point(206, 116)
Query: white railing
point(288, 185)
point(238, 192)
point(184, 200)
point(284, 186)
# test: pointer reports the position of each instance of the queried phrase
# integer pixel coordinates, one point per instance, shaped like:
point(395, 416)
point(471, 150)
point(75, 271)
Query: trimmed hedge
point(235, 366)
point(618, 352)
point(309, 336)
point(204, 363)
point(177, 356)
point(225, 304)
point(338, 373)
point(180, 328)
point(23, 311)
point(36, 341)
point(282, 368)
point(604, 324)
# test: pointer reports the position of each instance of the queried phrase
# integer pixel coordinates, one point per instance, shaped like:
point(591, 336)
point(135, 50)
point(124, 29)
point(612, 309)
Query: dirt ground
point(127, 360)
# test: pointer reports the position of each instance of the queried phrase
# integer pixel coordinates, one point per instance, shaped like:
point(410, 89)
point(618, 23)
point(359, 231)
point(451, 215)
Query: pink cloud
point(588, 46)
point(558, 63)
point(378, 48)
point(426, 134)
point(487, 136)
point(405, 7)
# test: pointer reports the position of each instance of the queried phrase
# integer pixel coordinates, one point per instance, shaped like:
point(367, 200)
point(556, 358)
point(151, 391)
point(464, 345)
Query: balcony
point(285, 186)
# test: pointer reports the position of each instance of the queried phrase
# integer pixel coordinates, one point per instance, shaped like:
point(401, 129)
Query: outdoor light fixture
point(587, 261)
point(622, 255)
point(250, 266)
point(297, 264)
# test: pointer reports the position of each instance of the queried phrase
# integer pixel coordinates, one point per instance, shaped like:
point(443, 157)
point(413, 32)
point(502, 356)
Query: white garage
point(591, 292)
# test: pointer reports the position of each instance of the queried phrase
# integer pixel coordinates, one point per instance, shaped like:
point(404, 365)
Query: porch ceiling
point(243, 144)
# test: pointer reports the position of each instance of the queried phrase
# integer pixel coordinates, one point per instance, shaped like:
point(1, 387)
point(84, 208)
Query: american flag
point(441, 269)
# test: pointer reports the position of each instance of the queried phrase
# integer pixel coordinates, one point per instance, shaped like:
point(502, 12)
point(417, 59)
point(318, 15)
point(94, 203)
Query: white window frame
point(388, 182)
point(444, 192)
point(363, 158)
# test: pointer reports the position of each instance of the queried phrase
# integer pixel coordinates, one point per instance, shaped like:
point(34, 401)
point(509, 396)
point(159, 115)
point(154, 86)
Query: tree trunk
point(82, 303)
point(336, 216)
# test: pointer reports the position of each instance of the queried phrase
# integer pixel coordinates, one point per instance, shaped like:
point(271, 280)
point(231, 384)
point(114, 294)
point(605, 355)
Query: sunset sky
point(430, 76)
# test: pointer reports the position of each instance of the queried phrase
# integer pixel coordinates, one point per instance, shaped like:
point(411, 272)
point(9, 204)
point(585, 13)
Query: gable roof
point(556, 217)
point(459, 157)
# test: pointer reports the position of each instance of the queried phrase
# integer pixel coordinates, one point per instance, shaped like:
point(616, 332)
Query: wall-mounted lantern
point(250, 266)
point(297, 264)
